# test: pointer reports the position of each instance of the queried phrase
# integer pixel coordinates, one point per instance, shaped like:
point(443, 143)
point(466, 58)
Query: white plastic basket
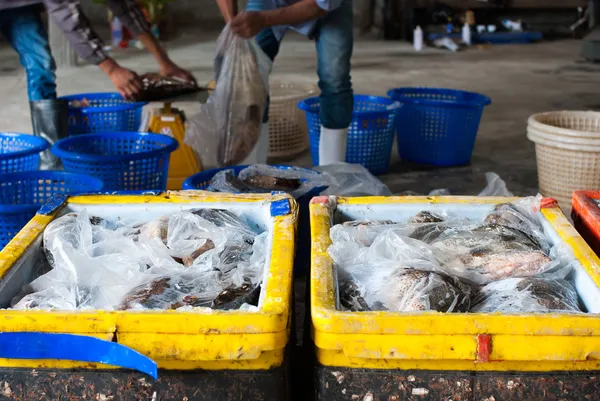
point(288, 133)
point(567, 147)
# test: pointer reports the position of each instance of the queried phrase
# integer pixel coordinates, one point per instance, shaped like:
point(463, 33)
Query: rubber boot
point(261, 150)
point(332, 146)
point(50, 121)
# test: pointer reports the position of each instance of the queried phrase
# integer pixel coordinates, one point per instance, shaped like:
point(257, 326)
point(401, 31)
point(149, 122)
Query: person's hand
point(248, 24)
point(170, 69)
point(127, 82)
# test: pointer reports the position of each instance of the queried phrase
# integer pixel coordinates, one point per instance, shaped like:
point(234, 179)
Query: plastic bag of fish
point(262, 178)
point(198, 258)
point(447, 263)
point(233, 113)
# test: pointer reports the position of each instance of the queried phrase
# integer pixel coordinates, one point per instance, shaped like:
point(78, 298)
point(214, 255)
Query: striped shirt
point(67, 14)
point(306, 28)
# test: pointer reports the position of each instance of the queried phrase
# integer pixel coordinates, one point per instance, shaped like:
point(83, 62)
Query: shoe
point(50, 120)
point(261, 150)
point(332, 146)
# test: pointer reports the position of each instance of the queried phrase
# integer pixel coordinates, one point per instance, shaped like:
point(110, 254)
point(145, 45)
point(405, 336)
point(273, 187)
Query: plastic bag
point(352, 180)
point(197, 258)
point(526, 295)
point(376, 261)
point(495, 186)
point(262, 178)
point(231, 117)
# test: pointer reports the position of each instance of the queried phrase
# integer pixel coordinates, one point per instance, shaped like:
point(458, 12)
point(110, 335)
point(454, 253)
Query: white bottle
point(418, 39)
point(466, 34)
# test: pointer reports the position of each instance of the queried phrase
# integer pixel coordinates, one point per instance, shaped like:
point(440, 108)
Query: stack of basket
point(567, 147)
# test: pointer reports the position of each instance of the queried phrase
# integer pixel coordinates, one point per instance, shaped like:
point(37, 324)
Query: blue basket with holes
point(370, 135)
point(20, 152)
point(124, 161)
point(22, 194)
point(437, 126)
point(102, 112)
point(202, 181)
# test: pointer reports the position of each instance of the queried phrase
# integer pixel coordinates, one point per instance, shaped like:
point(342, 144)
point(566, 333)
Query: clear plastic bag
point(262, 178)
point(526, 295)
point(377, 261)
point(231, 117)
point(352, 180)
point(197, 258)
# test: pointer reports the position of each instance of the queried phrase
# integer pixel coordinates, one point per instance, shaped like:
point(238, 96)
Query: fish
point(234, 297)
point(507, 214)
point(412, 290)
point(157, 229)
point(351, 298)
point(189, 260)
point(367, 223)
point(270, 183)
point(225, 218)
point(144, 293)
point(426, 217)
point(167, 293)
point(531, 294)
point(428, 232)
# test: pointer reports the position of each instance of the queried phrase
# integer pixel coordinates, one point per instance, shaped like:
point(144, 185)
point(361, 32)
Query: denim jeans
point(334, 40)
point(23, 29)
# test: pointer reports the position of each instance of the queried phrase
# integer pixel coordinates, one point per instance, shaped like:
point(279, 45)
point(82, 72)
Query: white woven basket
point(567, 148)
point(288, 133)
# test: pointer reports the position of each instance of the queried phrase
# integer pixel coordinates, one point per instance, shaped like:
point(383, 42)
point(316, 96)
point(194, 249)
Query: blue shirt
point(306, 28)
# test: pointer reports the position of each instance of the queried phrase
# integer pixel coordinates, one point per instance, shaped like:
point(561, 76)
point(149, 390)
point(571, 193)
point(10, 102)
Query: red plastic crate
point(586, 217)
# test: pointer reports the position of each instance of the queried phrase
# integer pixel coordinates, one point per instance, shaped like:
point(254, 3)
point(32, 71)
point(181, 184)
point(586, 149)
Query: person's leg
point(23, 29)
point(334, 41)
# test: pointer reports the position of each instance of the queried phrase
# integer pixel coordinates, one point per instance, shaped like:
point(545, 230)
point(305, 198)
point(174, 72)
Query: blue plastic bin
point(20, 152)
point(124, 161)
point(107, 112)
point(370, 135)
point(22, 194)
point(202, 180)
point(437, 126)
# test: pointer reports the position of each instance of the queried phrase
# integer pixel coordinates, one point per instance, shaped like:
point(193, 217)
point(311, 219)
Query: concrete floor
point(520, 79)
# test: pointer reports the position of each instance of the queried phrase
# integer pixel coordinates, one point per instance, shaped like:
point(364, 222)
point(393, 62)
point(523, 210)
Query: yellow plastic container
point(198, 340)
point(470, 342)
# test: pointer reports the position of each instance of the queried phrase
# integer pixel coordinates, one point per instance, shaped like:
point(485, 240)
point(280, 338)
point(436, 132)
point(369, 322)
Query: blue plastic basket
point(107, 112)
point(22, 194)
point(202, 180)
point(127, 161)
point(20, 152)
point(370, 135)
point(437, 126)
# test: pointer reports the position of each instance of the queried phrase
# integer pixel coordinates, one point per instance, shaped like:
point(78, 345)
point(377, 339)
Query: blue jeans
point(23, 29)
point(334, 40)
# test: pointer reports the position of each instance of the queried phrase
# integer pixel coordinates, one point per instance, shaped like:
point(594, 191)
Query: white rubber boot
point(261, 149)
point(332, 146)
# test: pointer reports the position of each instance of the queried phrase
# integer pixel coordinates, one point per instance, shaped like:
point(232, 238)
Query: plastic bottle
point(466, 34)
point(117, 31)
point(418, 39)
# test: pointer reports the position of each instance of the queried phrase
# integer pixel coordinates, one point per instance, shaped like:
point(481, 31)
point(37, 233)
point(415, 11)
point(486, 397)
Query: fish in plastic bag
point(233, 113)
point(197, 258)
point(526, 295)
point(262, 178)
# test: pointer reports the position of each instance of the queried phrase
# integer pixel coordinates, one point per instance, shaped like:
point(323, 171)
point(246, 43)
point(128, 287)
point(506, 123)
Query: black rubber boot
point(50, 121)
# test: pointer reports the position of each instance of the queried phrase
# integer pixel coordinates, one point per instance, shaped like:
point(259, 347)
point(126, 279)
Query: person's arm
point(250, 23)
point(69, 17)
point(132, 17)
point(229, 9)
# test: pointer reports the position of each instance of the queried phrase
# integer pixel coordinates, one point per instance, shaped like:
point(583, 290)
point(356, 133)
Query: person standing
point(329, 24)
point(22, 26)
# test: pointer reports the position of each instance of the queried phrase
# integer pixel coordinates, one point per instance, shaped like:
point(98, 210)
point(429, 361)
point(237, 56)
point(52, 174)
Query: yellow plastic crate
point(199, 340)
point(449, 341)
